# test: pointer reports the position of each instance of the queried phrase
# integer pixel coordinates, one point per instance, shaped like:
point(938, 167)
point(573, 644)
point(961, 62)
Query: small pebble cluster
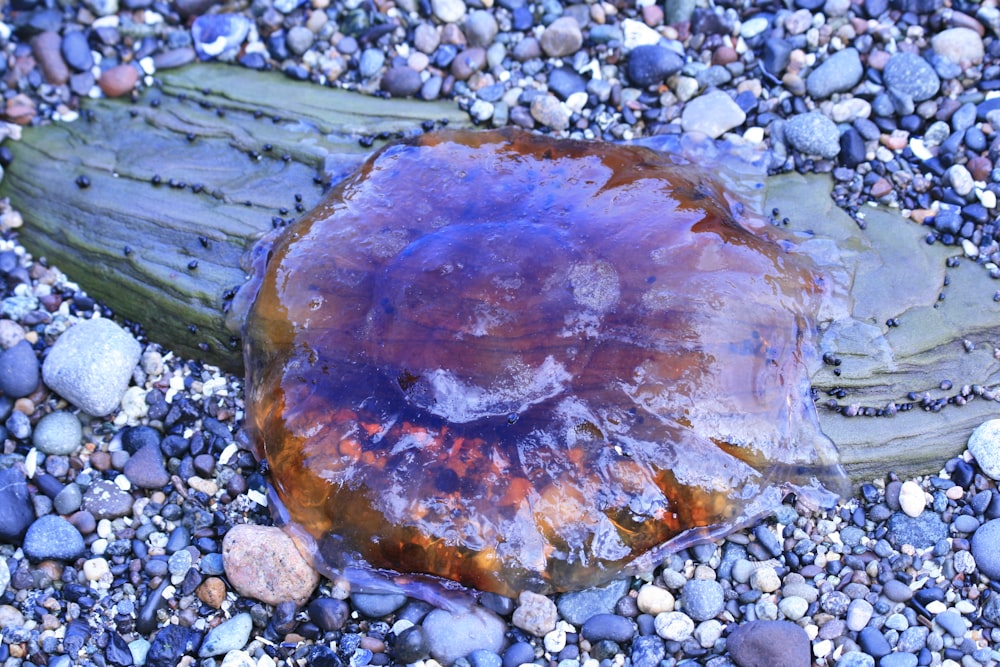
point(133, 526)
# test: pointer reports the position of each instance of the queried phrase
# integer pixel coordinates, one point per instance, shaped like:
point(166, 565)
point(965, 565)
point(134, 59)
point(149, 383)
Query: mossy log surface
point(236, 151)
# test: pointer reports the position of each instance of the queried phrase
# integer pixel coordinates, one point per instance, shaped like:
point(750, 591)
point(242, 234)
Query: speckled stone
point(263, 563)
point(455, 635)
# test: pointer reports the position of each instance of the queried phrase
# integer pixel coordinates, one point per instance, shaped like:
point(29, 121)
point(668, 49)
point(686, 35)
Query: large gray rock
point(91, 365)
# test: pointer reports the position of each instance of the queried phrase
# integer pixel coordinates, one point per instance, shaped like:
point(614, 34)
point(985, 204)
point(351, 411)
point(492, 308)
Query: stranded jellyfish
point(520, 363)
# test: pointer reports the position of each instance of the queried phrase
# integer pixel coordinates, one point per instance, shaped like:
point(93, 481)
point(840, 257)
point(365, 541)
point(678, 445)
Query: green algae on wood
point(242, 143)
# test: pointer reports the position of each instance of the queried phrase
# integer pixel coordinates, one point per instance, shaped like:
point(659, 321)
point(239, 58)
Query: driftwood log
point(151, 205)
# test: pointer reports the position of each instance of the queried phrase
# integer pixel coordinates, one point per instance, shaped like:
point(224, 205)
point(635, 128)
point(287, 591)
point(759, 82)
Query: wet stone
point(53, 537)
point(561, 38)
point(454, 635)
point(910, 76)
point(535, 614)
point(330, 614)
point(984, 445)
point(579, 606)
point(480, 28)
point(651, 64)
point(702, 599)
point(401, 81)
point(563, 81)
point(897, 591)
point(921, 532)
point(813, 134)
point(76, 51)
point(411, 645)
point(712, 114)
point(985, 547)
point(873, 642)
point(45, 47)
point(263, 563)
point(838, 73)
point(759, 643)
point(518, 653)
point(219, 36)
point(375, 605)
point(16, 512)
point(170, 644)
point(146, 469)
point(647, 651)
point(227, 636)
point(607, 627)
point(19, 370)
point(952, 623)
point(58, 433)
point(106, 500)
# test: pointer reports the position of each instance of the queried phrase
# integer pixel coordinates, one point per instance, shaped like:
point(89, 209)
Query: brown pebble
point(980, 168)
point(212, 592)
point(19, 109)
point(468, 62)
point(724, 55)
point(100, 461)
point(878, 59)
point(25, 405)
point(918, 215)
point(881, 188)
point(373, 644)
point(45, 48)
point(118, 80)
point(11, 333)
point(652, 15)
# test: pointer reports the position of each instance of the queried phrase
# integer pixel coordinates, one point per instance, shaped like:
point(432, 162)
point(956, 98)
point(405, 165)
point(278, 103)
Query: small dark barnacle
point(297, 195)
point(156, 180)
point(366, 141)
point(155, 102)
point(197, 187)
point(133, 112)
point(892, 322)
point(127, 250)
point(83, 181)
point(220, 112)
point(192, 329)
point(286, 158)
point(282, 210)
point(299, 208)
point(267, 147)
point(203, 240)
point(193, 264)
point(191, 136)
point(258, 113)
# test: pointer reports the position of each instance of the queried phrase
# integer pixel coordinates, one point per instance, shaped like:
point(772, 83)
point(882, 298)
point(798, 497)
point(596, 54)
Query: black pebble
point(82, 181)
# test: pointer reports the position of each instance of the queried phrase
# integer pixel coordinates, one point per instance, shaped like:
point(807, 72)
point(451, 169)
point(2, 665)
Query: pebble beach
point(133, 521)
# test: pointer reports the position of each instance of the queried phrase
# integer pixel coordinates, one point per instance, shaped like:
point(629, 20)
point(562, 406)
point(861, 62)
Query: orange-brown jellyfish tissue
point(518, 363)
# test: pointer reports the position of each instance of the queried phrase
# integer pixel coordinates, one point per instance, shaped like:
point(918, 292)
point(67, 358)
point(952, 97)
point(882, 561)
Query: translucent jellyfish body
point(520, 363)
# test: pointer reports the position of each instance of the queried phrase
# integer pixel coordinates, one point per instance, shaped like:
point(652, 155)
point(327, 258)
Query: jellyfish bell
point(519, 363)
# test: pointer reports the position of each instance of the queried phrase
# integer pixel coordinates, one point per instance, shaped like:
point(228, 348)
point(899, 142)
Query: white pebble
point(765, 580)
point(708, 632)
point(654, 600)
point(673, 626)
point(793, 607)
point(987, 198)
point(911, 499)
point(970, 249)
point(555, 641)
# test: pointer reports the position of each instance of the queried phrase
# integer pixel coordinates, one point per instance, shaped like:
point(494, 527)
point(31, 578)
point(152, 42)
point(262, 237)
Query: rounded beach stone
point(650, 64)
point(16, 512)
point(263, 563)
point(105, 500)
point(910, 75)
point(984, 445)
point(911, 499)
point(712, 114)
point(838, 73)
point(118, 80)
point(561, 38)
point(53, 537)
point(230, 635)
point(455, 635)
point(91, 364)
point(813, 134)
point(654, 600)
point(535, 614)
point(18, 370)
point(959, 45)
point(769, 643)
point(702, 599)
point(145, 469)
point(58, 433)
point(986, 548)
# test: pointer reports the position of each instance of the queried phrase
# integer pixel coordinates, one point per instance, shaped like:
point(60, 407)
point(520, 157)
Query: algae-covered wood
point(235, 152)
point(151, 205)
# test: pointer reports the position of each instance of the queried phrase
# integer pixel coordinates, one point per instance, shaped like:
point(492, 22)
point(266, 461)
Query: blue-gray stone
point(921, 532)
point(607, 626)
point(897, 591)
point(769, 643)
point(455, 635)
point(952, 622)
point(856, 659)
point(106, 500)
point(68, 500)
point(483, 658)
point(19, 370)
point(965, 523)
point(702, 599)
point(54, 537)
point(564, 82)
point(228, 636)
point(873, 642)
point(813, 134)
point(518, 653)
point(908, 75)
point(912, 639)
point(58, 433)
point(76, 51)
point(374, 605)
point(986, 548)
point(647, 651)
point(16, 512)
point(650, 64)
point(838, 73)
point(170, 644)
point(577, 607)
point(370, 63)
point(898, 660)
point(330, 615)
